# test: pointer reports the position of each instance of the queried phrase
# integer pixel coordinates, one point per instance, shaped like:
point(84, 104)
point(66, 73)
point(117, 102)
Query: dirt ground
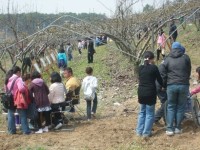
point(113, 130)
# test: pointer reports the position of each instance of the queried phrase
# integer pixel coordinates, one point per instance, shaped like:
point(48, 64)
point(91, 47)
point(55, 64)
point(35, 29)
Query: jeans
point(94, 107)
point(24, 121)
point(145, 120)
point(11, 121)
point(177, 99)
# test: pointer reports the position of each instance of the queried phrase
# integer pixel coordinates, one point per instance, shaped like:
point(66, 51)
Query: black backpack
point(7, 98)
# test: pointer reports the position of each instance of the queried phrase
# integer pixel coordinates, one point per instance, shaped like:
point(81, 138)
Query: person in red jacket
point(21, 100)
point(197, 89)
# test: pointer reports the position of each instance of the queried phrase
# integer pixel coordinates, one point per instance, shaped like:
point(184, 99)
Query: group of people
point(67, 55)
point(171, 80)
point(32, 89)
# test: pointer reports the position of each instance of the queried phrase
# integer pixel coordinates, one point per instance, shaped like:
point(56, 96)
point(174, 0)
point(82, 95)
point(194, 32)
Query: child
point(161, 43)
point(89, 87)
point(148, 74)
point(40, 92)
point(197, 89)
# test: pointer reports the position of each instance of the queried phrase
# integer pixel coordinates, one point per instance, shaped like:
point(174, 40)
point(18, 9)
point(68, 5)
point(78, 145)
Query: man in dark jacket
point(176, 74)
point(173, 33)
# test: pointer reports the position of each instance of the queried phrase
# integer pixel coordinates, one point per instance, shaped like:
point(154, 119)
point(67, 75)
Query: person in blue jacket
point(62, 59)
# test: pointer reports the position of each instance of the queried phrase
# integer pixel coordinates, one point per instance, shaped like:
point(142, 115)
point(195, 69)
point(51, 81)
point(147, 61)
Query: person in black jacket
point(176, 74)
point(91, 51)
point(148, 74)
point(173, 33)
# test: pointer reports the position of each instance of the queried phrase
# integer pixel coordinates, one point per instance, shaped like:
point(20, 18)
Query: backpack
point(7, 99)
point(89, 92)
point(61, 63)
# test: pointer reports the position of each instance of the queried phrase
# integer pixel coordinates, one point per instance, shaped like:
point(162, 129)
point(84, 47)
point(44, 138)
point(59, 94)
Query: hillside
point(116, 119)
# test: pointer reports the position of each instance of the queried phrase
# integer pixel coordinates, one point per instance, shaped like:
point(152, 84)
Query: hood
point(177, 45)
point(38, 82)
point(175, 53)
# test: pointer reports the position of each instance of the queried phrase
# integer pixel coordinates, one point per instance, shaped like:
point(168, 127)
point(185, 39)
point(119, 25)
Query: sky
point(76, 6)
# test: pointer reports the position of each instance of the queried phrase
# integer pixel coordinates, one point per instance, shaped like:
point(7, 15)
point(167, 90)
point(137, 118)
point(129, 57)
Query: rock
point(117, 104)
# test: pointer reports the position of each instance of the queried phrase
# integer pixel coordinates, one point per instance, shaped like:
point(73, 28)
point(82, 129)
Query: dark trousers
point(46, 115)
point(158, 54)
point(79, 50)
point(91, 108)
point(160, 113)
point(90, 58)
point(57, 116)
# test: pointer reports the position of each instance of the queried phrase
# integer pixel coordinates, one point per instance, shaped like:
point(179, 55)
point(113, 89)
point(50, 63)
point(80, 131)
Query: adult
point(176, 74)
point(57, 98)
point(69, 51)
point(72, 83)
point(173, 33)
point(21, 102)
point(91, 51)
point(80, 47)
point(40, 91)
point(148, 74)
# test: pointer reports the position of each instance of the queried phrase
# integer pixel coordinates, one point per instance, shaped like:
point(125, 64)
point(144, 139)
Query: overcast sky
point(76, 6)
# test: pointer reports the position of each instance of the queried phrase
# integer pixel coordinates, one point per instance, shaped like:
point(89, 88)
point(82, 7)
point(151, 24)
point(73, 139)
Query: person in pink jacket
point(15, 75)
point(197, 89)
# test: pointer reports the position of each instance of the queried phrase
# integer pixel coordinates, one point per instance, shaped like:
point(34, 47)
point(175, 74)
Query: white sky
point(75, 6)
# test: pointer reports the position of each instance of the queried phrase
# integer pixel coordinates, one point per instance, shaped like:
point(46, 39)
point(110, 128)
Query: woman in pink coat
point(14, 75)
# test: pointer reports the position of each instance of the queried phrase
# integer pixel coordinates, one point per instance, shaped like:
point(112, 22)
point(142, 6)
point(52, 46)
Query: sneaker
point(39, 131)
point(45, 129)
point(169, 133)
point(93, 114)
point(31, 126)
point(58, 126)
point(178, 131)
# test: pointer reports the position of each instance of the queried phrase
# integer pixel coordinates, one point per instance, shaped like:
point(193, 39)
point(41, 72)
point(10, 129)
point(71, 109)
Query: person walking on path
point(89, 86)
point(91, 51)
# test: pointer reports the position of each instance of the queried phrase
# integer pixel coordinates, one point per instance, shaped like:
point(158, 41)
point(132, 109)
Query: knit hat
point(177, 45)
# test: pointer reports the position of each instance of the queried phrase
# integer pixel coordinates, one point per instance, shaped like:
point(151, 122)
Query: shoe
point(169, 133)
point(31, 126)
point(45, 129)
point(177, 131)
point(39, 131)
point(93, 114)
point(58, 126)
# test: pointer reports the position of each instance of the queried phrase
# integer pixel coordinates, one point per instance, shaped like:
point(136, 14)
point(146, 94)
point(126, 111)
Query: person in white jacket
point(89, 86)
point(57, 98)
